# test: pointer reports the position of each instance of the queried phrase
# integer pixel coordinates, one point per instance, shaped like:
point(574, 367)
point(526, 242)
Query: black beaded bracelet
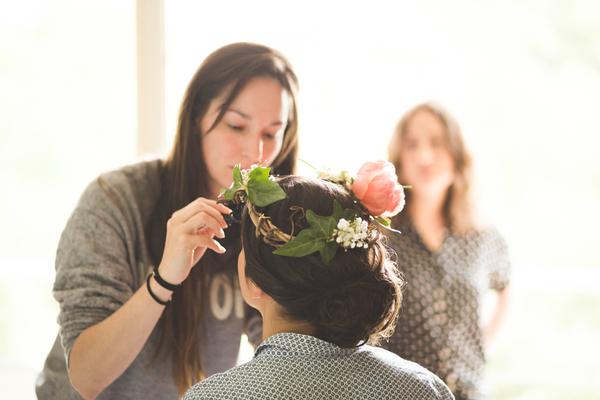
point(155, 297)
point(162, 282)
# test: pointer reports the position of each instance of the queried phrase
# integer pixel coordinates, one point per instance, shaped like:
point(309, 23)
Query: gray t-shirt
point(103, 258)
point(291, 366)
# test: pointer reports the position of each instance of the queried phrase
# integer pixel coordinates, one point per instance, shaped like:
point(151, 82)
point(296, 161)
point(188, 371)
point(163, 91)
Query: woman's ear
point(254, 295)
point(254, 291)
point(251, 293)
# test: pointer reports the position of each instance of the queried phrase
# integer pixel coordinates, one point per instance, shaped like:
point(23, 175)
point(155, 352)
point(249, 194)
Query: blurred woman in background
point(448, 259)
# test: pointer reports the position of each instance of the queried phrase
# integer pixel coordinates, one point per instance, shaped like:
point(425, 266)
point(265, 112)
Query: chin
point(226, 182)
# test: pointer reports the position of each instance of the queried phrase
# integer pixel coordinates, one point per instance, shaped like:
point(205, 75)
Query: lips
point(425, 173)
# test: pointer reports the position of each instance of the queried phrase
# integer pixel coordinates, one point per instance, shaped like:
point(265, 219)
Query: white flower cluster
point(342, 178)
point(351, 234)
point(245, 173)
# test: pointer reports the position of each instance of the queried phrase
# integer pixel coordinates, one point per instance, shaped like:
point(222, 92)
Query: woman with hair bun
point(314, 265)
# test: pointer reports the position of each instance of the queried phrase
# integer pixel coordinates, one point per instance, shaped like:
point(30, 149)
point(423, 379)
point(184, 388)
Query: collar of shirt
point(298, 344)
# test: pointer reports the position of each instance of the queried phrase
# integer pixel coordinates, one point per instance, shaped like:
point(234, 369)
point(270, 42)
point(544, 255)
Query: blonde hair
point(458, 210)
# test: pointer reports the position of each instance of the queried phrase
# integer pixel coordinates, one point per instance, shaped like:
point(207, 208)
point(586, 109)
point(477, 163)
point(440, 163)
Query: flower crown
point(375, 187)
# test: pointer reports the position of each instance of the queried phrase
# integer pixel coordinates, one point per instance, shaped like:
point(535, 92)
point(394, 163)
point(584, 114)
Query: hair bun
point(356, 312)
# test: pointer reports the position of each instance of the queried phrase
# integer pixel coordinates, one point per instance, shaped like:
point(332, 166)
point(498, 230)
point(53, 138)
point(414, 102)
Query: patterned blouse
point(290, 366)
point(439, 323)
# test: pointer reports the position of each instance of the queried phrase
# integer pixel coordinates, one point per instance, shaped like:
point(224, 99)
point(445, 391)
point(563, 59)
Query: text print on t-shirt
point(225, 298)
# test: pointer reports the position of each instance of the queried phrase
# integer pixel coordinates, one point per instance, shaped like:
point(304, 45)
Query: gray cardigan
point(102, 259)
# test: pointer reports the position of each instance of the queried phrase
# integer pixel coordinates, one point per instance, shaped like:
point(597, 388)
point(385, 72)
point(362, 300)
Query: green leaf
point(259, 174)
point(307, 242)
point(349, 214)
point(383, 221)
point(338, 212)
point(316, 237)
point(329, 251)
point(262, 193)
point(237, 176)
point(228, 193)
point(261, 190)
point(323, 225)
point(235, 185)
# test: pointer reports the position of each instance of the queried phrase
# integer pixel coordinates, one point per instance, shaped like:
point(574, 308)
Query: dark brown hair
point(350, 301)
point(225, 72)
point(458, 208)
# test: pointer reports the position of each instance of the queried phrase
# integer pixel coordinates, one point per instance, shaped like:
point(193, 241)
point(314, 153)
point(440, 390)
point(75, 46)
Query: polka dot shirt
point(289, 366)
point(439, 323)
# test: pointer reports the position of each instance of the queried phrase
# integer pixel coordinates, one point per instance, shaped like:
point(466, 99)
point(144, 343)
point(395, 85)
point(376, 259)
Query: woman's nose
point(252, 152)
point(425, 155)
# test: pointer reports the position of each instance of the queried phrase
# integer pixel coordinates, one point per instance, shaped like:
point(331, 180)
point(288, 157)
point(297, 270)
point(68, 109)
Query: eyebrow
point(248, 117)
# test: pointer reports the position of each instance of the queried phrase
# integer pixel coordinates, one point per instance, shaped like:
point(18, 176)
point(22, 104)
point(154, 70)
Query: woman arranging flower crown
point(146, 272)
point(314, 265)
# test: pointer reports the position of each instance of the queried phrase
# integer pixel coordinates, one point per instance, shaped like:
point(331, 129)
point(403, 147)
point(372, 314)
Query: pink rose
point(376, 187)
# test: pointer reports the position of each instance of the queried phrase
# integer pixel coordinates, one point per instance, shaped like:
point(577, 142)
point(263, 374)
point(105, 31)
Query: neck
point(274, 324)
point(427, 209)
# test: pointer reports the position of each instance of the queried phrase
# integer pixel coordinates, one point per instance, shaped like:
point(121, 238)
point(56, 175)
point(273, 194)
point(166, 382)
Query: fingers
point(203, 224)
point(199, 230)
point(211, 207)
point(202, 241)
point(190, 232)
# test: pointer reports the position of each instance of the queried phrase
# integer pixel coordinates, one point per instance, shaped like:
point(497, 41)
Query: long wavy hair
point(458, 209)
point(185, 178)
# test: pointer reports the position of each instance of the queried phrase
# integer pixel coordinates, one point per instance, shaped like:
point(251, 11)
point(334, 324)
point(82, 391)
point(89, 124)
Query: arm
point(499, 269)
point(498, 316)
point(104, 350)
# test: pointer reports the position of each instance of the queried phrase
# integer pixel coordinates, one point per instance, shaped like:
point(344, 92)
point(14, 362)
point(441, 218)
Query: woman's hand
point(190, 231)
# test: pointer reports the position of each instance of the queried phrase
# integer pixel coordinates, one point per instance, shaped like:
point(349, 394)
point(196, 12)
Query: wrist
point(167, 279)
point(160, 295)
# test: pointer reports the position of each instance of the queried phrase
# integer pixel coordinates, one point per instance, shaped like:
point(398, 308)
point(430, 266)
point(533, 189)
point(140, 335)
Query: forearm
point(498, 315)
point(104, 351)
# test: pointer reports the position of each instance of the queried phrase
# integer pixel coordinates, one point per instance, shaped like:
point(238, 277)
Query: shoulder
point(136, 183)
point(225, 385)
point(489, 231)
point(145, 174)
point(489, 237)
point(391, 361)
point(481, 235)
point(114, 202)
point(413, 378)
